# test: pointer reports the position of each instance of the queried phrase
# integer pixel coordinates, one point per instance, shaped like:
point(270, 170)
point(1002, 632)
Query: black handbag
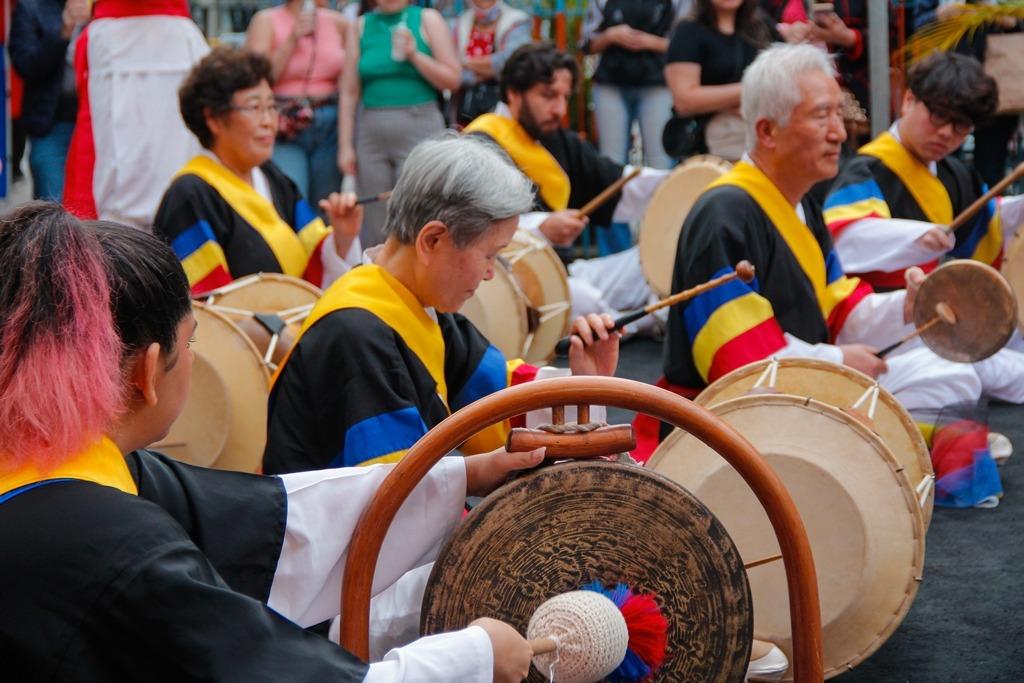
point(477, 100)
point(683, 136)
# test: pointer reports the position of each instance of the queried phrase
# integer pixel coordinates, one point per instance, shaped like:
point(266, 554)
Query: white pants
point(136, 66)
point(612, 284)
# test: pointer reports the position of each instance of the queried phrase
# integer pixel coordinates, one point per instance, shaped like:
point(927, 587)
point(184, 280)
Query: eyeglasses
point(941, 119)
point(256, 112)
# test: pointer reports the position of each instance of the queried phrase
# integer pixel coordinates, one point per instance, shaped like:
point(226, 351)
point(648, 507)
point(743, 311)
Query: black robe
point(169, 585)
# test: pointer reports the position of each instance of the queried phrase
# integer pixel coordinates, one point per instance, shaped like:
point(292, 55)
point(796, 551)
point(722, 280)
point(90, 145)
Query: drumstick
point(763, 560)
point(370, 199)
point(744, 271)
point(997, 189)
point(606, 194)
point(943, 314)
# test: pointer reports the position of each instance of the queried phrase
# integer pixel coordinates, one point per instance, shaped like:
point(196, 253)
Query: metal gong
point(558, 528)
point(984, 306)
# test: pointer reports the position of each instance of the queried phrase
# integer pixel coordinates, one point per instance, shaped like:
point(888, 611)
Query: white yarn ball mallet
point(577, 637)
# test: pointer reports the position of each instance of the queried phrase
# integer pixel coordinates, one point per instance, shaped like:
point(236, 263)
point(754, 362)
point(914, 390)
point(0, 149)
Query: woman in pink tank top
point(305, 43)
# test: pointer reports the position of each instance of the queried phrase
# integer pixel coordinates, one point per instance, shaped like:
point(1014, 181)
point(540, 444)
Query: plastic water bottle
point(398, 32)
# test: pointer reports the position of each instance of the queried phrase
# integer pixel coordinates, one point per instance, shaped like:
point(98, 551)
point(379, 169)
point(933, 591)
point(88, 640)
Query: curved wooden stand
point(805, 612)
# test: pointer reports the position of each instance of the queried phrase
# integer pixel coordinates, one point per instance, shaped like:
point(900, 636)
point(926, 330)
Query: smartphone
point(822, 8)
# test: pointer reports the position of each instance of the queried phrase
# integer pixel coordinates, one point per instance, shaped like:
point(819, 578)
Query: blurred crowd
point(357, 86)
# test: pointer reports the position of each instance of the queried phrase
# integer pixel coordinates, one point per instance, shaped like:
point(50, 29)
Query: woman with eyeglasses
point(231, 211)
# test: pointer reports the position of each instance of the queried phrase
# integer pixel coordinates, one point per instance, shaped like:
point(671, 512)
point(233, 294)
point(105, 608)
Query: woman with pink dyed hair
point(121, 564)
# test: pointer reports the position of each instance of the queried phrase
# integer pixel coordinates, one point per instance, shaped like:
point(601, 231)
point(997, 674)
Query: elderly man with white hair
point(801, 303)
point(384, 356)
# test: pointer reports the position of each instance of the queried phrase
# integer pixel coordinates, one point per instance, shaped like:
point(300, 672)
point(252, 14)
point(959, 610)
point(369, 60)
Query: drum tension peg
point(270, 321)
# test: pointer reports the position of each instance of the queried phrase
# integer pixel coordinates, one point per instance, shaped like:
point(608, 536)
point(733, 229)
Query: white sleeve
point(465, 656)
point(884, 244)
point(334, 265)
point(323, 508)
point(532, 221)
point(798, 348)
point(877, 319)
point(636, 194)
point(1011, 214)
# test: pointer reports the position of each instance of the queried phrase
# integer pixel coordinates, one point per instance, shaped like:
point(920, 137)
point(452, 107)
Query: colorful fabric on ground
point(965, 473)
point(529, 155)
point(884, 181)
point(800, 288)
point(221, 228)
point(372, 371)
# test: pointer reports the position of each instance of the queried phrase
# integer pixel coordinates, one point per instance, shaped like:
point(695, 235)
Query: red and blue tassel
point(648, 632)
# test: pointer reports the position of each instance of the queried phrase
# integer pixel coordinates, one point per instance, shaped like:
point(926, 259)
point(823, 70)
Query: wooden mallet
point(744, 271)
point(979, 203)
point(943, 314)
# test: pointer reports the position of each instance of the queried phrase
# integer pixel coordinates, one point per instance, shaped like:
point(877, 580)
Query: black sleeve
point(333, 403)
point(170, 617)
point(187, 202)
point(209, 504)
point(589, 170)
point(687, 43)
point(36, 46)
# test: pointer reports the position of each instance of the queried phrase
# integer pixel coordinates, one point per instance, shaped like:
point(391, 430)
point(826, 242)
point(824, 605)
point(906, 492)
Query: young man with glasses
point(888, 208)
point(890, 204)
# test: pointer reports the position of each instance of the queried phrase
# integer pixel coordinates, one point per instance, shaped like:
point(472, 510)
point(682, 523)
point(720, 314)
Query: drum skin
point(663, 219)
point(498, 310)
point(265, 293)
point(557, 528)
point(200, 433)
point(984, 305)
point(544, 282)
point(1013, 271)
point(857, 504)
point(841, 387)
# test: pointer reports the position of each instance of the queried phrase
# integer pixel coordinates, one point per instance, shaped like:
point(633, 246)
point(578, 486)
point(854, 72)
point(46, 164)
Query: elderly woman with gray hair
point(384, 355)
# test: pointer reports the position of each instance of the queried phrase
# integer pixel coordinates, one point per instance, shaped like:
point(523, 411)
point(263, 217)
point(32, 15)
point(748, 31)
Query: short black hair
point(535, 63)
point(956, 86)
point(149, 292)
point(213, 82)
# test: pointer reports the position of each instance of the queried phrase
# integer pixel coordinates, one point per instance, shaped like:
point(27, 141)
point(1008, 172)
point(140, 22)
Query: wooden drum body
point(849, 390)
point(663, 219)
point(862, 517)
point(224, 422)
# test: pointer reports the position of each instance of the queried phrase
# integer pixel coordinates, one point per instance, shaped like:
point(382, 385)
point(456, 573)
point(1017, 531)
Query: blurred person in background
point(631, 37)
point(305, 43)
point(706, 58)
point(129, 139)
point(399, 59)
point(485, 35)
point(42, 44)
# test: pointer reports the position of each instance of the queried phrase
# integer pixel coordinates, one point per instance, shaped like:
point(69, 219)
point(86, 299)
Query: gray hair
point(769, 89)
point(465, 181)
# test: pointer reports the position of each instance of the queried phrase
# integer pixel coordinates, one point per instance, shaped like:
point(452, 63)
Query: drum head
point(498, 309)
point(265, 293)
point(984, 305)
point(840, 387)
point(241, 370)
point(856, 503)
point(663, 219)
point(544, 282)
point(200, 433)
point(557, 528)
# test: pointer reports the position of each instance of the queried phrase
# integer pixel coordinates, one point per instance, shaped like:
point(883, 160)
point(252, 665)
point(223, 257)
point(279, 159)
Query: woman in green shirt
point(400, 58)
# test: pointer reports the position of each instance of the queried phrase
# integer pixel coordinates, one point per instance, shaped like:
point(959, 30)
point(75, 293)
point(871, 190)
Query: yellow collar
point(374, 289)
point(926, 189)
point(101, 463)
point(256, 210)
point(529, 155)
point(797, 236)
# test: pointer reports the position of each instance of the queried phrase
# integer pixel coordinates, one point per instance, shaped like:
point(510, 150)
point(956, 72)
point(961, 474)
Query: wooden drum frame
point(369, 533)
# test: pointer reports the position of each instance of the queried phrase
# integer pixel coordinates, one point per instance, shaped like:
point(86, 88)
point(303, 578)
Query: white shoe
point(767, 663)
point(1000, 447)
